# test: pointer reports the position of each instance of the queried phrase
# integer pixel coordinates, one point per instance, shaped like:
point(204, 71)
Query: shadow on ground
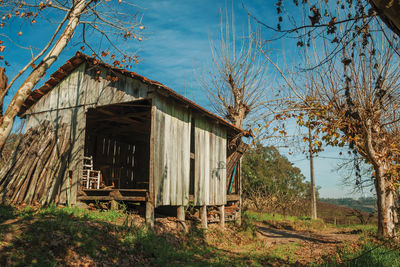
point(276, 234)
point(52, 236)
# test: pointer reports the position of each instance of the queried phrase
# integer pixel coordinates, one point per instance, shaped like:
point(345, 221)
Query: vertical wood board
point(171, 152)
point(210, 162)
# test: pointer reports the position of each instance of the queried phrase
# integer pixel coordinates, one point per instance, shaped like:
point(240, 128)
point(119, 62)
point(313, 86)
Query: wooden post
point(180, 215)
point(151, 199)
point(149, 214)
point(203, 216)
point(313, 193)
point(222, 216)
point(114, 204)
point(239, 213)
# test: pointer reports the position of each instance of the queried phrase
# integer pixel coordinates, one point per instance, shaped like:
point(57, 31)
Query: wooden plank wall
point(67, 103)
point(171, 152)
point(100, 91)
point(210, 163)
point(64, 105)
point(83, 89)
point(115, 159)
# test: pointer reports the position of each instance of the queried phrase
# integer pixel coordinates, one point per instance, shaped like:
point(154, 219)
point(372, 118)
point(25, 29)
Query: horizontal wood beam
point(108, 198)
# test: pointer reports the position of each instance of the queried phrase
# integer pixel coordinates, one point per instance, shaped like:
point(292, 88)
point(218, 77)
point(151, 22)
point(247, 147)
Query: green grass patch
point(286, 222)
point(363, 227)
point(286, 252)
point(369, 254)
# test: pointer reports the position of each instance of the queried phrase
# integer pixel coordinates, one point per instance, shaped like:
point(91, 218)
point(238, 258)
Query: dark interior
point(118, 139)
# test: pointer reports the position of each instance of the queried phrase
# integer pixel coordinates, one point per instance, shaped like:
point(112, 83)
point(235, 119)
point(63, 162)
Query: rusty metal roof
point(79, 58)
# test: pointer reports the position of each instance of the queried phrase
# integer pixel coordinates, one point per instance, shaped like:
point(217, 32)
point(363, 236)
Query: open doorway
point(118, 140)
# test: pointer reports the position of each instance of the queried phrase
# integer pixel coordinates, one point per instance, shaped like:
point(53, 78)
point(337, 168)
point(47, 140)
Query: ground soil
point(313, 245)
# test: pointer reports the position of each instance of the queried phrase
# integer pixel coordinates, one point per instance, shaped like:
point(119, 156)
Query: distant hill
point(339, 213)
point(367, 204)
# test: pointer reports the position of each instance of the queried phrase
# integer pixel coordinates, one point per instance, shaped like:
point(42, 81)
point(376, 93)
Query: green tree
point(270, 181)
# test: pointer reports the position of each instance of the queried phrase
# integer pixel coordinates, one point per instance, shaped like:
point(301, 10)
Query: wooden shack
point(150, 144)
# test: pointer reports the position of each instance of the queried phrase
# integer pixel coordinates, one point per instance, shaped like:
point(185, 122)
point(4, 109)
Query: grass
point(366, 228)
point(286, 251)
point(54, 236)
point(63, 236)
point(368, 254)
point(287, 222)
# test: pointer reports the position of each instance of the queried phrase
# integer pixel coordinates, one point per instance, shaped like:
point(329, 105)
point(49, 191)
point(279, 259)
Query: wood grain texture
point(210, 163)
point(171, 152)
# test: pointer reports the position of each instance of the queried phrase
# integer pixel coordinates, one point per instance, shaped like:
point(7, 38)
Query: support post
point(239, 213)
point(150, 197)
point(222, 216)
point(313, 193)
point(180, 215)
point(149, 214)
point(203, 216)
point(114, 204)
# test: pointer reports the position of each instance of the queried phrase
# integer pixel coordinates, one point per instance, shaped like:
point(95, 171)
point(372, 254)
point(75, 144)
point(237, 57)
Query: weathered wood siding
point(101, 91)
point(171, 152)
point(210, 163)
point(86, 87)
point(67, 103)
point(64, 105)
point(61, 104)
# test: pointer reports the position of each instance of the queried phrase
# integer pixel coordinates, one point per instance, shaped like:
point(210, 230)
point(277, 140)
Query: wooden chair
point(90, 178)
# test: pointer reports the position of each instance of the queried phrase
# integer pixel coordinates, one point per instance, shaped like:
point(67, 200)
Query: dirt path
point(311, 245)
point(282, 236)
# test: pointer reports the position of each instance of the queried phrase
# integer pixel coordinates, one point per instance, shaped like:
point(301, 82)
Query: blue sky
point(177, 43)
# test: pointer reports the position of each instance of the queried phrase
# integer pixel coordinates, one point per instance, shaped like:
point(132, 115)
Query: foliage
point(270, 181)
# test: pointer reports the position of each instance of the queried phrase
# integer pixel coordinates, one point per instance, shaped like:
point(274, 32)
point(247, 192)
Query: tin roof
point(79, 58)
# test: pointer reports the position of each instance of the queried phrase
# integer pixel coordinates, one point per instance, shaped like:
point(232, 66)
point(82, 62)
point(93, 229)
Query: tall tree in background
point(111, 20)
point(236, 81)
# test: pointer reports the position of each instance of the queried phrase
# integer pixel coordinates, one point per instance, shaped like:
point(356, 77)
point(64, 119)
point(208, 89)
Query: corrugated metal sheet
point(171, 153)
point(210, 163)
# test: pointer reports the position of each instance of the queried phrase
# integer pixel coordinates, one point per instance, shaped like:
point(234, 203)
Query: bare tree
point(104, 18)
point(356, 99)
point(236, 81)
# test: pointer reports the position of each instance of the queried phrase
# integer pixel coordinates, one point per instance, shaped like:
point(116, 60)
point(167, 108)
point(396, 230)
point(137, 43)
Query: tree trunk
point(24, 91)
point(3, 86)
point(387, 215)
